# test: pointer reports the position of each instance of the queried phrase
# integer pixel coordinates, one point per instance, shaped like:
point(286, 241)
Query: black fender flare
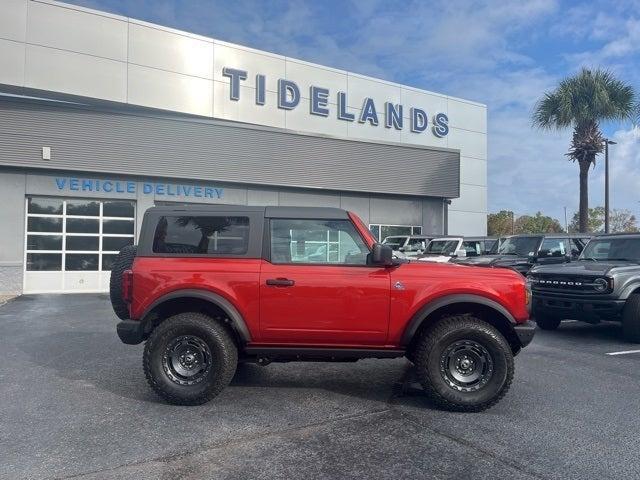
point(426, 310)
point(237, 321)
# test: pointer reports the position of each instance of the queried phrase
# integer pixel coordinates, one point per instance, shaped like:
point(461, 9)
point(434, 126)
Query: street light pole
point(607, 142)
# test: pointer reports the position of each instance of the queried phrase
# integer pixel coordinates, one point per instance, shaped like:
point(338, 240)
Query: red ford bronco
point(213, 285)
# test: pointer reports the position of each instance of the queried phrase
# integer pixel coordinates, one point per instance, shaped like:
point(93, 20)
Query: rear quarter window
point(202, 235)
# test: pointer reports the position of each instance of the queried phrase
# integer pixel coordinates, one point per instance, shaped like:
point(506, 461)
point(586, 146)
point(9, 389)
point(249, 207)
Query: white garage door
point(70, 244)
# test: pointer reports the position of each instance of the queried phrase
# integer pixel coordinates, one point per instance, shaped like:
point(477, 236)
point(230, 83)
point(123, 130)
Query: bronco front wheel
point(464, 364)
point(189, 358)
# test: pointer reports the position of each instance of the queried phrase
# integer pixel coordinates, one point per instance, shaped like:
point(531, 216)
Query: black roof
point(270, 212)
point(615, 235)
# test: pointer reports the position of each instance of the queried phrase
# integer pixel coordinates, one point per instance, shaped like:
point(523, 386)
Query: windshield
point(612, 249)
point(442, 247)
point(520, 246)
point(395, 242)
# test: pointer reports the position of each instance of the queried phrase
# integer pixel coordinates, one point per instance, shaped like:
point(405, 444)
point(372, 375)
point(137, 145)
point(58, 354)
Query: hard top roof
point(270, 212)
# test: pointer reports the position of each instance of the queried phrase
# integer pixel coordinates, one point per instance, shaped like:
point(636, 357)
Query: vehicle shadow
point(581, 331)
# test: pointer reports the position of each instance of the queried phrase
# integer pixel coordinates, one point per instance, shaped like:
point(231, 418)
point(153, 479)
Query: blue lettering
point(74, 184)
point(319, 101)
point(235, 76)
point(107, 186)
point(393, 116)
point(131, 187)
point(147, 188)
point(208, 192)
point(159, 189)
point(369, 113)
point(342, 108)
point(440, 125)
point(97, 185)
point(119, 187)
point(419, 120)
point(187, 191)
point(286, 89)
point(261, 89)
point(87, 185)
point(61, 182)
point(169, 191)
point(197, 191)
point(219, 191)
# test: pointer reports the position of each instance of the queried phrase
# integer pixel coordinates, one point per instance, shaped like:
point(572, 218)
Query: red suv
point(210, 286)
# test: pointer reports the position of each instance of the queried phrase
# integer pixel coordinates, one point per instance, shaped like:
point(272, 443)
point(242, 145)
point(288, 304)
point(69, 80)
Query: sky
point(500, 53)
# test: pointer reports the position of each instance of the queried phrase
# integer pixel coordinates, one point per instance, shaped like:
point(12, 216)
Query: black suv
point(521, 252)
point(603, 284)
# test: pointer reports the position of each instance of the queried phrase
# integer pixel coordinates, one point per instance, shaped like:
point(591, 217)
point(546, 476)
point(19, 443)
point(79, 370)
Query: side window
point(552, 247)
point(316, 241)
point(576, 246)
point(472, 248)
point(215, 235)
point(416, 244)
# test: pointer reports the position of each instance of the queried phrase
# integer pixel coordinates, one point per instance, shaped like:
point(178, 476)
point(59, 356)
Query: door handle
point(280, 282)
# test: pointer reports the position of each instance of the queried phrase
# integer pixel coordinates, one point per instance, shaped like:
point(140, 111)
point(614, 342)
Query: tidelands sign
point(289, 98)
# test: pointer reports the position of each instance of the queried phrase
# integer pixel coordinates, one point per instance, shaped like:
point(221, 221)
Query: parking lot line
point(625, 352)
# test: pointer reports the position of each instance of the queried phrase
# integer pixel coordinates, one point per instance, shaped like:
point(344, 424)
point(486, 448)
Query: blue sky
point(504, 54)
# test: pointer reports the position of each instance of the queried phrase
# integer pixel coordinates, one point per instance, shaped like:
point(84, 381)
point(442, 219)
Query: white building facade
point(394, 149)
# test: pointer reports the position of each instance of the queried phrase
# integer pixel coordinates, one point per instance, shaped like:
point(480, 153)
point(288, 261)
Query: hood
point(584, 267)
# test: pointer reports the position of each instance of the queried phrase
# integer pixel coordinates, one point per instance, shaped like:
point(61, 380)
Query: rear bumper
point(130, 332)
point(525, 332)
point(585, 309)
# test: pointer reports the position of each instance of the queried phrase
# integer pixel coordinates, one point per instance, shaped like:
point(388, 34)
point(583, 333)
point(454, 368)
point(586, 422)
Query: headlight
point(600, 284)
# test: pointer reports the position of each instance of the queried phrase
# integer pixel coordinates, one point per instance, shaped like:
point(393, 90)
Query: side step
point(315, 354)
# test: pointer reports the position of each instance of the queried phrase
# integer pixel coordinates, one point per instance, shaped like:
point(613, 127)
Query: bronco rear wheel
point(631, 319)
point(189, 359)
point(464, 364)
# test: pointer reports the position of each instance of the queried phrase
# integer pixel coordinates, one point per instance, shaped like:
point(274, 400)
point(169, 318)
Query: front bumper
point(130, 332)
point(525, 332)
point(586, 308)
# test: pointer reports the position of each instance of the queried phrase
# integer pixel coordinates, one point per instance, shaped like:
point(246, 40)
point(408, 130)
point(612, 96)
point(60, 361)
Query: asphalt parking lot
point(75, 404)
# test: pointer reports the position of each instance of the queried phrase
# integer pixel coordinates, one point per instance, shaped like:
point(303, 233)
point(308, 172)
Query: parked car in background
point(475, 246)
point(442, 250)
point(603, 284)
point(521, 252)
point(407, 245)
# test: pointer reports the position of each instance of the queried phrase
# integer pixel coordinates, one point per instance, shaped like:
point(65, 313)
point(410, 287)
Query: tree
point(622, 221)
point(619, 221)
point(501, 223)
point(537, 223)
point(595, 221)
point(582, 102)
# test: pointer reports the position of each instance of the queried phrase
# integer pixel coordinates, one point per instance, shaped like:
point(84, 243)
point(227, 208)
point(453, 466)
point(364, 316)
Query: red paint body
point(329, 305)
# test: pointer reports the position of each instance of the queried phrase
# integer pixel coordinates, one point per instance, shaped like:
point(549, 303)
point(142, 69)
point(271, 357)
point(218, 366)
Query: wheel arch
point(196, 300)
point(486, 309)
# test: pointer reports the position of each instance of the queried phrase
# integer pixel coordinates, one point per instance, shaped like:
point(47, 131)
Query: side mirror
point(532, 257)
point(382, 255)
point(402, 249)
point(461, 252)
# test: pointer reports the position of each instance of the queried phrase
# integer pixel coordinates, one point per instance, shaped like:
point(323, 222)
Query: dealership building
point(103, 116)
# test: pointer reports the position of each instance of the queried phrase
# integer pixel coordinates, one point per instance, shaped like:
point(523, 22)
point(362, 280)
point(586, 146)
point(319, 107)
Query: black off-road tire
point(432, 347)
point(548, 322)
point(222, 352)
point(631, 319)
point(123, 261)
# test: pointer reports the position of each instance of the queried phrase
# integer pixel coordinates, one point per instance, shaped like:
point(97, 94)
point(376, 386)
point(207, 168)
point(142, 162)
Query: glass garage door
point(71, 243)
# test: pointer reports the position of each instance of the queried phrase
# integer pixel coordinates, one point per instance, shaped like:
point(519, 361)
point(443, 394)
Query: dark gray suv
point(602, 284)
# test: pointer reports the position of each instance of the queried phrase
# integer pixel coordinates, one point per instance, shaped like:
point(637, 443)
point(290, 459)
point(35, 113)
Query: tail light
point(127, 285)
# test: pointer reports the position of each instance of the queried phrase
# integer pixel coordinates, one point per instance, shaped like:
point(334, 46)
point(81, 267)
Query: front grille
point(564, 283)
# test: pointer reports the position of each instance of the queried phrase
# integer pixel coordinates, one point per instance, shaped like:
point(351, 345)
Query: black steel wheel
point(463, 363)
point(190, 358)
point(466, 366)
point(631, 318)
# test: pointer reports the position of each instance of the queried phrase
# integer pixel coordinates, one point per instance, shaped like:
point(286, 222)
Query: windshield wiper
point(589, 258)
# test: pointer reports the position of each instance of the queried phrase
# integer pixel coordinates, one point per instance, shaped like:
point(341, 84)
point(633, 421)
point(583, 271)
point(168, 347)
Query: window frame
point(267, 245)
point(152, 216)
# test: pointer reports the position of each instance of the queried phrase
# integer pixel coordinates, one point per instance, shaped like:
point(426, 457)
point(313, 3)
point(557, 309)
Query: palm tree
point(582, 102)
